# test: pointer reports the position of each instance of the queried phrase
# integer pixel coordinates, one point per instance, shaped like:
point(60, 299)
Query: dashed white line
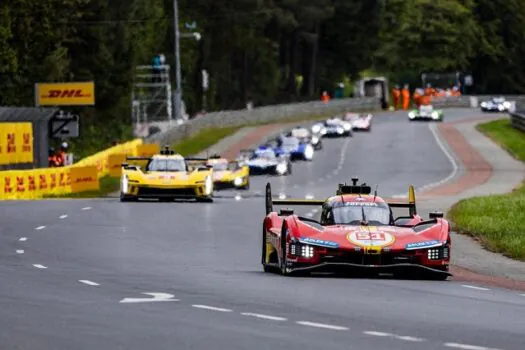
point(282, 196)
point(263, 316)
point(89, 283)
point(22, 239)
point(87, 208)
point(238, 197)
point(212, 308)
point(20, 251)
point(40, 228)
point(473, 287)
point(377, 334)
point(322, 325)
point(408, 338)
point(467, 346)
point(61, 217)
point(38, 266)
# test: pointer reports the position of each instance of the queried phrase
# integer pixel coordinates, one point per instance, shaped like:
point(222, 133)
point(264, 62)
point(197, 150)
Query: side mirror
point(436, 214)
point(286, 212)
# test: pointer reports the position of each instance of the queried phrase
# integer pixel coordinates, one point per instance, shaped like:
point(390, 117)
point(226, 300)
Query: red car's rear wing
point(411, 204)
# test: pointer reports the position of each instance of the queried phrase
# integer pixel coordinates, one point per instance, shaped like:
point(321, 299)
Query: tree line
point(265, 51)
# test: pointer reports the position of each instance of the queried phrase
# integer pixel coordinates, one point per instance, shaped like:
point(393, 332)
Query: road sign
point(64, 125)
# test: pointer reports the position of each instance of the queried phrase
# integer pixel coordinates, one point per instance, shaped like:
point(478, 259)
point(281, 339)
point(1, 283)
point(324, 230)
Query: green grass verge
point(203, 140)
point(497, 221)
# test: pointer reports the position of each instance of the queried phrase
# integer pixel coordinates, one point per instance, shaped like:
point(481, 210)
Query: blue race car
point(293, 147)
point(263, 160)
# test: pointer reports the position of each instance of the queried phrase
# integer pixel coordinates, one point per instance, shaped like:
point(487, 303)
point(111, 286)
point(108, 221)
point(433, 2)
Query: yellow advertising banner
point(115, 164)
point(65, 94)
point(84, 179)
point(16, 143)
point(148, 150)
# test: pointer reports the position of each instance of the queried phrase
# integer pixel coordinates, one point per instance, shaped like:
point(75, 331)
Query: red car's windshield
point(354, 213)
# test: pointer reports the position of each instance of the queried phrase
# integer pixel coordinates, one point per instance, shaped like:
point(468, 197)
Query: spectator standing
point(156, 68)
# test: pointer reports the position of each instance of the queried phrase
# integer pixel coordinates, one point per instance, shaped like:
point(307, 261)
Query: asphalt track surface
point(67, 267)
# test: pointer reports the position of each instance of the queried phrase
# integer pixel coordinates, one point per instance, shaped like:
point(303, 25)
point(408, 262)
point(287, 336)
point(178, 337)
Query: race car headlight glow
point(347, 126)
point(124, 186)
point(208, 186)
point(506, 104)
point(433, 254)
point(411, 115)
point(316, 128)
point(307, 251)
point(323, 131)
point(237, 181)
point(340, 130)
point(281, 168)
point(435, 115)
point(315, 139)
point(309, 152)
point(483, 104)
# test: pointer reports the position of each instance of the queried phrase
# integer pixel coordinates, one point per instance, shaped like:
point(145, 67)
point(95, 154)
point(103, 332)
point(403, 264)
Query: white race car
point(360, 122)
point(496, 104)
point(305, 135)
point(333, 127)
point(264, 161)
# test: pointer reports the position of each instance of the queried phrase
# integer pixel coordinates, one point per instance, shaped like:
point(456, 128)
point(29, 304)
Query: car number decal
point(368, 239)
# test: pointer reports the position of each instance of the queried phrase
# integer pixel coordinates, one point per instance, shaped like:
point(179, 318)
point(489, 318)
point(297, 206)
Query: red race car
point(357, 232)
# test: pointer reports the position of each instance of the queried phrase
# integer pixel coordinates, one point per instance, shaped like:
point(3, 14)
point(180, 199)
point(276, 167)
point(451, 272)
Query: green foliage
point(498, 221)
point(261, 51)
point(202, 140)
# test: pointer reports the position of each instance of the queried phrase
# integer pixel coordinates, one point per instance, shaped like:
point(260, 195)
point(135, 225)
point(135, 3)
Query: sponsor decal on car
point(425, 244)
point(319, 242)
point(361, 204)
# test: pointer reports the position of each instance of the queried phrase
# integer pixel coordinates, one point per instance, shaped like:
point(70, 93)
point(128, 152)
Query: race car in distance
point(333, 127)
point(166, 176)
point(360, 122)
point(357, 232)
point(496, 104)
point(305, 135)
point(426, 112)
point(263, 160)
point(229, 174)
point(292, 147)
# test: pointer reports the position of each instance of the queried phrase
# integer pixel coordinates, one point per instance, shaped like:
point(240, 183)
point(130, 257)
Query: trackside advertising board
point(65, 94)
point(16, 143)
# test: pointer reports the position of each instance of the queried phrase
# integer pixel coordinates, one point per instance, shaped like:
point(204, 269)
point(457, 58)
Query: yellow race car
point(167, 176)
point(229, 174)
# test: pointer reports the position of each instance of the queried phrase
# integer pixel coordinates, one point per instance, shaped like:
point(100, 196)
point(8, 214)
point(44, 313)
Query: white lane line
point(265, 317)
point(87, 208)
point(22, 239)
point(20, 251)
point(238, 197)
point(408, 338)
point(473, 287)
point(156, 297)
point(282, 196)
point(61, 217)
point(377, 334)
point(212, 308)
point(89, 283)
point(322, 325)
point(467, 346)
point(40, 228)
point(38, 266)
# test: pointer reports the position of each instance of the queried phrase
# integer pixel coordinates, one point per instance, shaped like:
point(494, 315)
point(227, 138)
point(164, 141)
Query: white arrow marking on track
point(20, 251)
point(156, 297)
point(38, 266)
point(322, 325)
point(40, 228)
point(265, 317)
point(61, 217)
point(86, 208)
point(22, 239)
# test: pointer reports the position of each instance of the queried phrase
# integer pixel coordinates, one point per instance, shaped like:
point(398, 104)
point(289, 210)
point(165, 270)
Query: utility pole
point(178, 90)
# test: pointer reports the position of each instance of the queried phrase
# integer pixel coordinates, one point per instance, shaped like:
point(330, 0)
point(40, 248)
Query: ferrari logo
point(372, 250)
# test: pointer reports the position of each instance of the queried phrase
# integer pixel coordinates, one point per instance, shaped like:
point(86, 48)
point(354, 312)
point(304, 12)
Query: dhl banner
point(65, 94)
point(148, 149)
point(16, 143)
point(38, 183)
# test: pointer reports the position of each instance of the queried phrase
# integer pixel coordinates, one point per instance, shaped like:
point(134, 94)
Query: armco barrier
point(517, 120)
point(262, 115)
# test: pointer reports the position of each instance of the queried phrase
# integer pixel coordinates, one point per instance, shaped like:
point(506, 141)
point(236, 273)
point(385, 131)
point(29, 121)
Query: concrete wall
point(263, 115)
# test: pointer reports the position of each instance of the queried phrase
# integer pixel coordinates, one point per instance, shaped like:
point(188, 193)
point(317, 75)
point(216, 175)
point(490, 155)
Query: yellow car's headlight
point(208, 185)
